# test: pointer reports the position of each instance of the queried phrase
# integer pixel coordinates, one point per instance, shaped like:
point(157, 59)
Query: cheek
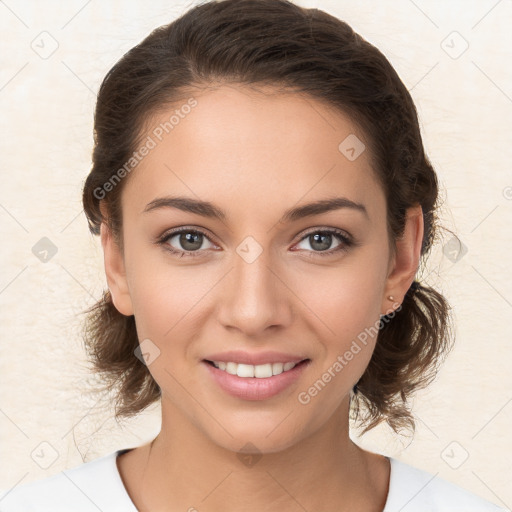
point(343, 301)
point(344, 311)
point(165, 304)
point(168, 300)
point(165, 307)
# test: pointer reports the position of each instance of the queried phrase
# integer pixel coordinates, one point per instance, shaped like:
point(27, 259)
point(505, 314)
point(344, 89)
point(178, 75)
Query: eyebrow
point(208, 209)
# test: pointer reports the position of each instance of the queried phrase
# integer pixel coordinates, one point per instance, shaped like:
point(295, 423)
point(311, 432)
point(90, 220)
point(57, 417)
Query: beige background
point(49, 419)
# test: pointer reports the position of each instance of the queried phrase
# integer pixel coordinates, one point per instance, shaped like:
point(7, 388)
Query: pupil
point(190, 238)
point(323, 245)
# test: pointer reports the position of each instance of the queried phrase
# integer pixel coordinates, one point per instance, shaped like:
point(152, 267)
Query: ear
point(404, 264)
point(115, 272)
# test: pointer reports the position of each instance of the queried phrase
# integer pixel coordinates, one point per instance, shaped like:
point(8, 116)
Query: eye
point(185, 242)
point(321, 241)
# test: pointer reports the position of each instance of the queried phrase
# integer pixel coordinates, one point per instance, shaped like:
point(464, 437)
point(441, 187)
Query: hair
point(307, 51)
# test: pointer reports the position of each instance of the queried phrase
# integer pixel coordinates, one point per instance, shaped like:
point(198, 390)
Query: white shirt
point(96, 486)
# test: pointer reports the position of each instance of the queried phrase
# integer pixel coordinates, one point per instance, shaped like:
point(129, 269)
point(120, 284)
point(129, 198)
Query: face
point(255, 279)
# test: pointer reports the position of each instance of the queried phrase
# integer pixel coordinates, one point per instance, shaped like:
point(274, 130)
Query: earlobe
point(115, 272)
point(406, 259)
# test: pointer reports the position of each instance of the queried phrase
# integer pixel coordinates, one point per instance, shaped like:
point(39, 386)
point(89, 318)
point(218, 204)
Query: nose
point(255, 297)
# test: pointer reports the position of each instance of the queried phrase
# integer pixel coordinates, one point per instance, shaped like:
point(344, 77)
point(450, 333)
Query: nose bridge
point(253, 296)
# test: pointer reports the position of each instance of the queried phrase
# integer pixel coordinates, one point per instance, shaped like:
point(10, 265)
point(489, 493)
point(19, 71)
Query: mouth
point(255, 382)
point(259, 371)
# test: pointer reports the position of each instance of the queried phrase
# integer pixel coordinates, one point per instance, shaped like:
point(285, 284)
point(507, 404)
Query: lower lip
point(253, 388)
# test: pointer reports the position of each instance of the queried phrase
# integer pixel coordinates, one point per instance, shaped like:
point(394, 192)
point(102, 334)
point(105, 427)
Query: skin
point(255, 154)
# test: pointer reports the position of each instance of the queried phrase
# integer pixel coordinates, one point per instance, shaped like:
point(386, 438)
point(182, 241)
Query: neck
point(183, 469)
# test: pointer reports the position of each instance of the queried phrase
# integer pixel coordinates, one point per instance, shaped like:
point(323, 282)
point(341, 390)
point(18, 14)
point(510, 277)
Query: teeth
point(277, 368)
point(260, 371)
point(231, 368)
point(263, 370)
point(245, 370)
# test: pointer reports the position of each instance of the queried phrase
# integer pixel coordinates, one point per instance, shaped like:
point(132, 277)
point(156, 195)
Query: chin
point(256, 434)
point(252, 442)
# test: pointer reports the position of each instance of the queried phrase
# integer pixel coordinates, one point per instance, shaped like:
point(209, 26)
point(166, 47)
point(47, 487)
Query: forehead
point(237, 145)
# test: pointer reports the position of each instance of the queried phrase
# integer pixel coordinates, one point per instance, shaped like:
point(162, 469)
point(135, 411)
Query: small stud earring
point(390, 297)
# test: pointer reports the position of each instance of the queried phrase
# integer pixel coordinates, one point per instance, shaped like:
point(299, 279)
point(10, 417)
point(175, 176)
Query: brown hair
point(278, 43)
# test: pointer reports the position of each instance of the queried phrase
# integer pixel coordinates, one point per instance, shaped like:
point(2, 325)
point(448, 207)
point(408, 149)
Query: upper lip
point(256, 358)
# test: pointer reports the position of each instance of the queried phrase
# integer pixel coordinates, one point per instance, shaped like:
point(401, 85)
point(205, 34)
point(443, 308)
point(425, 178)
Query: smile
point(255, 382)
point(260, 371)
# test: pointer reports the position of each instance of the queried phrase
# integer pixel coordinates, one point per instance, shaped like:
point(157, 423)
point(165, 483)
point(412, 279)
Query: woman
point(264, 202)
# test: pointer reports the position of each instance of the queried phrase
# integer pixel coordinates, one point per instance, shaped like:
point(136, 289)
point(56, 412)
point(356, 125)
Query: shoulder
point(415, 490)
point(91, 486)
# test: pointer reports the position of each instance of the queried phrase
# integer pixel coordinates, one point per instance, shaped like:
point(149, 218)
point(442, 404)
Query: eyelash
point(346, 242)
